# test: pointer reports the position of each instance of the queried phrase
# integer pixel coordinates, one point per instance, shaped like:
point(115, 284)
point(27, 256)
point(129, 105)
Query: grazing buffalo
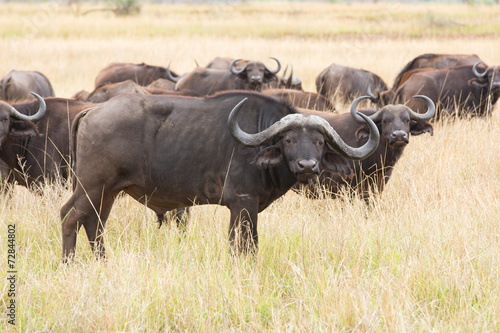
point(164, 84)
point(18, 85)
point(302, 99)
point(106, 92)
point(208, 81)
point(224, 63)
point(103, 93)
point(459, 91)
point(174, 152)
point(36, 147)
point(346, 83)
point(395, 123)
point(141, 74)
point(435, 61)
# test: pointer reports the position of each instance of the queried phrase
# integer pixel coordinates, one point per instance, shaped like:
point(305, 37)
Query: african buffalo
point(436, 61)
point(208, 81)
point(164, 84)
point(395, 124)
point(141, 74)
point(344, 83)
point(458, 91)
point(225, 63)
point(292, 82)
point(18, 85)
point(302, 99)
point(36, 147)
point(174, 152)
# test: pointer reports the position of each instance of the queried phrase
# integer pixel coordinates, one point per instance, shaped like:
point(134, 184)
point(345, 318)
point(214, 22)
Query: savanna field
point(425, 256)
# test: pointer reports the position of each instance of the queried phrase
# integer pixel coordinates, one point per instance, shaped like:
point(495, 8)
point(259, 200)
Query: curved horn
point(293, 120)
point(277, 69)
point(431, 109)
point(476, 73)
point(354, 110)
point(37, 116)
point(289, 81)
point(260, 138)
point(233, 69)
point(170, 76)
point(350, 152)
point(284, 73)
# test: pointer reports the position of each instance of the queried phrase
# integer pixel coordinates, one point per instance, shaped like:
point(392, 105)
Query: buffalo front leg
point(243, 237)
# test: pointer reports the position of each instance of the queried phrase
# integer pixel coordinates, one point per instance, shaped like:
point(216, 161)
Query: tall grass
point(423, 257)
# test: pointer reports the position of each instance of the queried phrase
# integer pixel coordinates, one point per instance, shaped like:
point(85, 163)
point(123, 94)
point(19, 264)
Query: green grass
point(424, 257)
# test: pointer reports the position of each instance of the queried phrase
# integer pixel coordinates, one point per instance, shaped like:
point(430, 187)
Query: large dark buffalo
point(174, 152)
point(302, 99)
point(396, 123)
point(346, 83)
point(36, 147)
point(18, 85)
point(436, 61)
point(208, 81)
point(141, 74)
point(459, 91)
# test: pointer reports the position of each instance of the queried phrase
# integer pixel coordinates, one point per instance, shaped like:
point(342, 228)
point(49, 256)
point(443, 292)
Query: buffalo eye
point(288, 141)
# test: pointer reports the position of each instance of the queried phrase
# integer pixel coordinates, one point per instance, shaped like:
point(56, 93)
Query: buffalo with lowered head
point(462, 91)
point(142, 74)
point(174, 152)
point(343, 83)
point(18, 86)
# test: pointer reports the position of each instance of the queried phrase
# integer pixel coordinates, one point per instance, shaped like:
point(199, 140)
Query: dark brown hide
point(173, 152)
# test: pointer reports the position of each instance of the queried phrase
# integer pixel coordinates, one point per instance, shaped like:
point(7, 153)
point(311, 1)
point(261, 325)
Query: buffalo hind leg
point(243, 237)
point(89, 211)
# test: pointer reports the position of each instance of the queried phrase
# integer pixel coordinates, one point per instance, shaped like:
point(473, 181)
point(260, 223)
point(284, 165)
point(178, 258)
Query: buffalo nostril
point(399, 135)
point(307, 165)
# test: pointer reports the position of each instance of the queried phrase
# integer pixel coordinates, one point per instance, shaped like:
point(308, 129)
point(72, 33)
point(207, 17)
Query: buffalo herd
point(232, 133)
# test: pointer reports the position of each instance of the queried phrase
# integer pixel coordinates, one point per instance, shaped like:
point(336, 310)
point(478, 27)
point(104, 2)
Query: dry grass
point(424, 257)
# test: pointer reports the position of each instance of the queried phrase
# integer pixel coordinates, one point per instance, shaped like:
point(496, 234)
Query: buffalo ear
point(362, 133)
point(268, 157)
point(269, 77)
point(477, 83)
point(23, 128)
point(337, 165)
point(421, 127)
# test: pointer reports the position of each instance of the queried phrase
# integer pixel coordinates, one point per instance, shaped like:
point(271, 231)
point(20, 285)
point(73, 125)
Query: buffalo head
point(306, 144)
point(396, 122)
point(489, 78)
point(14, 123)
point(255, 73)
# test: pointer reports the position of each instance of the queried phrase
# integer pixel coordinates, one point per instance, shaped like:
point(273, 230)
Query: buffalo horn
point(476, 73)
point(277, 69)
point(289, 82)
point(431, 109)
point(233, 69)
point(38, 115)
point(170, 76)
point(297, 120)
point(354, 109)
